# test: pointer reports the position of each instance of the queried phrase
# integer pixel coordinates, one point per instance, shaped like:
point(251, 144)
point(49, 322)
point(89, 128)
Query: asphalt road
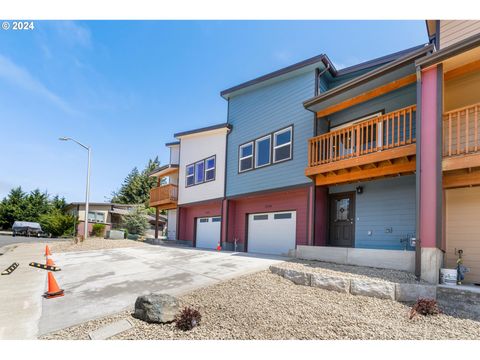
point(8, 240)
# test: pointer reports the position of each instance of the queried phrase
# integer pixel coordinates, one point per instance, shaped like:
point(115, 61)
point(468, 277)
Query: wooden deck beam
point(367, 95)
point(375, 157)
point(378, 172)
point(463, 179)
point(461, 162)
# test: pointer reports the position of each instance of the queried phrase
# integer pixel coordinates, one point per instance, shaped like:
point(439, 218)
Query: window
point(260, 217)
point(199, 172)
point(210, 169)
point(190, 175)
point(262, 151)
point(216, 219)
point(282, 145)
point(96, 216)
point(282, 216)
point(203, 220)
point(246, 157)
point(265, 150)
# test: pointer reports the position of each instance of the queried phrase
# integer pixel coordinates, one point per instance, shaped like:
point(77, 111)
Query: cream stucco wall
point(453, 31)
point(197, 147)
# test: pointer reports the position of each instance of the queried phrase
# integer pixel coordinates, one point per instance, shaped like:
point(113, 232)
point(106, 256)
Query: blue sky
point(124, 87)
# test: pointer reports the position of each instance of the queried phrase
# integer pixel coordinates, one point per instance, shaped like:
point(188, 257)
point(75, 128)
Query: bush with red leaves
point(187, 319)
point(425, 307)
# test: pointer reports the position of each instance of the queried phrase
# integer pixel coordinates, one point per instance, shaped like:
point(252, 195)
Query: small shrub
point(98, 230)
point(425, 307)
point(136, 222)
point(187, 319)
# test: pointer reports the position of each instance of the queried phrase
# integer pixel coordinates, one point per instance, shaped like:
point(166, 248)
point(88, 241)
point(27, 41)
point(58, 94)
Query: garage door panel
point(272, 233)
point(208, 232)
point(463, 229)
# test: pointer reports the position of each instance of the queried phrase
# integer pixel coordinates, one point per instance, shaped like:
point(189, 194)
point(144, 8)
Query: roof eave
point(368, 76)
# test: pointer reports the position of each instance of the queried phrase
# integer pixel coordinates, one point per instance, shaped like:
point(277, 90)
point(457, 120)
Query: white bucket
point(448, 276)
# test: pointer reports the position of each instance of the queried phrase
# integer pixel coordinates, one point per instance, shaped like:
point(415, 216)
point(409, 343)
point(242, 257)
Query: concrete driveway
point(9, 239)
point(99, 283)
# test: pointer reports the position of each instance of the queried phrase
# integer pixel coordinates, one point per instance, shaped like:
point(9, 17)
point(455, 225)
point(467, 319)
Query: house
point(109, 214)
point(195, 215)
point(449, 84)
point(376, 164)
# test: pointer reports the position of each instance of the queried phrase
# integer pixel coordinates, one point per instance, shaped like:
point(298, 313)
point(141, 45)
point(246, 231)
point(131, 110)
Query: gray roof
point(200, 130)
point(172, 143)
point(375, 73)
point(450, 51)
point(163, 167)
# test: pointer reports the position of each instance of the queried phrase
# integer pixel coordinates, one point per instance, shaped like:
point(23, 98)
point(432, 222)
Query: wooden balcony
point(164, 197)
point(461, 147)
point(374, 148)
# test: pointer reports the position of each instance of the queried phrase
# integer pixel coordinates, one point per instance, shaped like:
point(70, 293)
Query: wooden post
point(157, 214)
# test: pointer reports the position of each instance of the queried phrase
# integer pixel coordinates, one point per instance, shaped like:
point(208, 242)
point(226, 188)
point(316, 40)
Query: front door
point(342, 219)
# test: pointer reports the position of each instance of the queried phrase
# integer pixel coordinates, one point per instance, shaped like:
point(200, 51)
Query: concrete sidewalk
point(21, 291)
point(100, 283)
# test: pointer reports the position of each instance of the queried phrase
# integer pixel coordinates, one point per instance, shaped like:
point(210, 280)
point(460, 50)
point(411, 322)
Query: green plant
point(188, 319)
point(98, 230)
point(57, 224)
point(136, 222)
point(425, 307)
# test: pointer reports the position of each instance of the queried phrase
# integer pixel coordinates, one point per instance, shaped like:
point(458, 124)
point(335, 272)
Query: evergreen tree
point(136, 187)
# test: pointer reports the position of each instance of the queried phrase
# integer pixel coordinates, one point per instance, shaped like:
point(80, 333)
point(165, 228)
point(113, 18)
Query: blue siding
point(389, 102)
point(387, 203)
point(264, 110)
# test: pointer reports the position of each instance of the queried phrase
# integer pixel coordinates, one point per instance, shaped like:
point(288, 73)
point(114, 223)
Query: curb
point(401, 292)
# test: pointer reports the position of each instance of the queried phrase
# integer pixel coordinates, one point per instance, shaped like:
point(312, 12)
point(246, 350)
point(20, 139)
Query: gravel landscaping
point(352, 271)
point(93, 244)
point(266, 306)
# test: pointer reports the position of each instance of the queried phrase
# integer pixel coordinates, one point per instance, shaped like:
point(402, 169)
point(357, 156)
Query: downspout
point(312, 216)
point(418, 125)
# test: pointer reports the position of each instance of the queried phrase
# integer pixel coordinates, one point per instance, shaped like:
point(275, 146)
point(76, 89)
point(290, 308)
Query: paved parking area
point(99, 283)
point(9, 239)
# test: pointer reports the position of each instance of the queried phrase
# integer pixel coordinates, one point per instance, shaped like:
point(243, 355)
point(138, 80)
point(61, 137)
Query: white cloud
point(74, 33)
point(20, 77)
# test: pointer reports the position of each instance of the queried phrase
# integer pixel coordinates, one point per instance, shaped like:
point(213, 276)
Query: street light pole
point(87, 190)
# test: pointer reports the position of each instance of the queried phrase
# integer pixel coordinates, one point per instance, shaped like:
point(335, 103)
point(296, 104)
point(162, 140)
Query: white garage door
point(272, 233)
point(463, 230)
point(208, 232)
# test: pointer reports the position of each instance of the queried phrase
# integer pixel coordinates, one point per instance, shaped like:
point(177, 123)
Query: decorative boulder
point(156, 308)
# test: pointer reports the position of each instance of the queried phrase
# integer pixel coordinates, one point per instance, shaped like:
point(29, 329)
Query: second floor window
point(201, 171)
point(266, 150)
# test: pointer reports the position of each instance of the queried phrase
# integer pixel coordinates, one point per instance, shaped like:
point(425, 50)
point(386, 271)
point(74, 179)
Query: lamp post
point(87, 190)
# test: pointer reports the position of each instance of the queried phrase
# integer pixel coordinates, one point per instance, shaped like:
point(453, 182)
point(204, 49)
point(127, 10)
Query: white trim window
point(282, 145)
point(210, 169)
point(245, 161)
point(190, 175)
point(263, 147)
point(199, 172)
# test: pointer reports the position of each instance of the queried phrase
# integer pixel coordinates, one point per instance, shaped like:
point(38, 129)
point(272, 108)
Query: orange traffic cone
point(50, 262)
point(47, 251)
point(53, 288)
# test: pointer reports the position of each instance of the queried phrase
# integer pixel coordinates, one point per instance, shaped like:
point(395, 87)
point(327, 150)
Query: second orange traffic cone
point(50, 262)
point(47, 251)
point(53, 288)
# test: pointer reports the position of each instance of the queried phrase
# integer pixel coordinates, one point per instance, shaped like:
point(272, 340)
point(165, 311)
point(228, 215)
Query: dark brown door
point(342, 219)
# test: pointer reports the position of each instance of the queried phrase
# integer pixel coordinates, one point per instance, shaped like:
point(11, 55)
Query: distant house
point(109, 214)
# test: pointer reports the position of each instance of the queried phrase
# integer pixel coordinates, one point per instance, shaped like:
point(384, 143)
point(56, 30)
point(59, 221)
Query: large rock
point(156, 308)
point(412, 292)
point(330, 283)
point(378, 289)
point(297, 277)
point(277, 270)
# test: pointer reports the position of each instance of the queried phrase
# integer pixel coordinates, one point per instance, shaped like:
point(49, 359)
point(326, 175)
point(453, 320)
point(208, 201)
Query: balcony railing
point(460, 131)
point(164, 194)
point(384, 132)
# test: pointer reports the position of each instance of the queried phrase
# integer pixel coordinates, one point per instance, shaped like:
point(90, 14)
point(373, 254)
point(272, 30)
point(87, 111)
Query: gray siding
point(388, 203)
point(389, 102)
point(260, 112)
point(453, 31)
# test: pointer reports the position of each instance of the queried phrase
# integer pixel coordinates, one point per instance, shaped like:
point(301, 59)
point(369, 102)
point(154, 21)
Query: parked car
point(26, 228)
